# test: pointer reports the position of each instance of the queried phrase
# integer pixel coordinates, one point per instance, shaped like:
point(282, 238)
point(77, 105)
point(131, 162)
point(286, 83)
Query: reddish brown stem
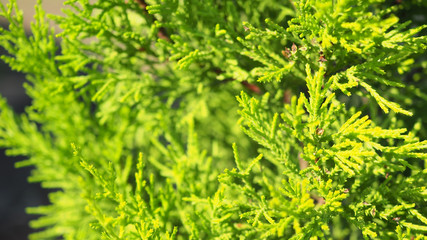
point(162, 31)
point(252, 87)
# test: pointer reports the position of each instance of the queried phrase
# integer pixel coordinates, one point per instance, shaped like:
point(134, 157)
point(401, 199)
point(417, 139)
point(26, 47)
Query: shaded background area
point(16, 193)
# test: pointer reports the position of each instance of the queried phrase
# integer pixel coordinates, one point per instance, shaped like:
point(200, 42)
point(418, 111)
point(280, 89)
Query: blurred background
point(15, 192)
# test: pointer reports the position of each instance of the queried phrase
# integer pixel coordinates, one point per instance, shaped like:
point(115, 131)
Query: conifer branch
point(136, 126)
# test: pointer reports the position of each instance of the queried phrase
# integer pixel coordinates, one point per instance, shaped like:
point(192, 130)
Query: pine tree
point(234, 119)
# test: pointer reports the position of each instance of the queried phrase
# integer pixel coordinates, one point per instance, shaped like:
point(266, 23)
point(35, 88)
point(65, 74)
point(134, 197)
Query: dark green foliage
point(135, 121)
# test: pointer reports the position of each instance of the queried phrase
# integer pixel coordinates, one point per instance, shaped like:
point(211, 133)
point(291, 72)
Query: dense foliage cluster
point(234, 119)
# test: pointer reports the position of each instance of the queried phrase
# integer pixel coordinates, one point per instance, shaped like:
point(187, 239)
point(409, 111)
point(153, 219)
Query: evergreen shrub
point(222, 119)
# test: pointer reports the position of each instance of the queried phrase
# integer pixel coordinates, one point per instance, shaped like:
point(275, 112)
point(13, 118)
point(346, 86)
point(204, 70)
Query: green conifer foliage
point(234, 119)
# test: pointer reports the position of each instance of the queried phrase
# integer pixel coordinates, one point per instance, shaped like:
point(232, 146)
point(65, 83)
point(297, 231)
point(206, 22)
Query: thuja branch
point(140, 126)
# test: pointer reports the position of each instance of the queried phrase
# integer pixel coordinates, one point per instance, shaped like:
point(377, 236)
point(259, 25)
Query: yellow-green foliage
point(234, 119)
